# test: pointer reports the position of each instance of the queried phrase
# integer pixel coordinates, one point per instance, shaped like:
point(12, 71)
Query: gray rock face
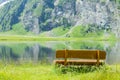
point(44, 15)
point(84, 12)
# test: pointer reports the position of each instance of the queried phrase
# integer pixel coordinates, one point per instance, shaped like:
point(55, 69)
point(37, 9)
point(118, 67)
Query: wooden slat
point(83, 54)
point(102, 55)
point(60, 54)
point(78, 62)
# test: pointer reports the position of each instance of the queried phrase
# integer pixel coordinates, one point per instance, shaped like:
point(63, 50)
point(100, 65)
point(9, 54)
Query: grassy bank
point(49, 72)
point(38, 38)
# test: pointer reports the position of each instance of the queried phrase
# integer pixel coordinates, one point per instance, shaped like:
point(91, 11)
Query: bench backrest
point(82, 54)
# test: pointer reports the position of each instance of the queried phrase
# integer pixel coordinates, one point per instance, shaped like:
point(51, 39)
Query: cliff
point(39, 16)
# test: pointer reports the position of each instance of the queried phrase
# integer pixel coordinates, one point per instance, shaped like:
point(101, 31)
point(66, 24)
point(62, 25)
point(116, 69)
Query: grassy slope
point(77, 32)
point(57, 34)
point(48, 72)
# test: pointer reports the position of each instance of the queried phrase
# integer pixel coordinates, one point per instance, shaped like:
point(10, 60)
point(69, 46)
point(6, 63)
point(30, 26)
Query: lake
point(44, 51)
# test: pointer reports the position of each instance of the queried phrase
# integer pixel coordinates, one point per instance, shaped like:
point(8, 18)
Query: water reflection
point(29, 52)
point(44, 52)
point(113, 56)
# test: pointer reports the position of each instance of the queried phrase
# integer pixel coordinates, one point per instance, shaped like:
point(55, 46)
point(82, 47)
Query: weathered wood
point(79, 62)
point(84, 54)
point(66, 54)
point(86, 57)
point(98, 57)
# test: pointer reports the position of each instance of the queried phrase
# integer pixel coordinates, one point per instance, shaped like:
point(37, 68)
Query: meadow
point(38, 38)
point(51, 72)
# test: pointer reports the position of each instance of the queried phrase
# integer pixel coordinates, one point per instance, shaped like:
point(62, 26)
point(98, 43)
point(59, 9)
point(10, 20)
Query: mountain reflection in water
point(44, 52)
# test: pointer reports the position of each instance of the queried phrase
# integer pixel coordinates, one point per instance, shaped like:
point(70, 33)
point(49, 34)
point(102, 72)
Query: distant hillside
point(43, 16)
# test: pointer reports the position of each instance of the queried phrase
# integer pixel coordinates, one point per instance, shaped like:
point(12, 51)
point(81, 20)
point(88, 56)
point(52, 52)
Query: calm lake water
point(44, 52)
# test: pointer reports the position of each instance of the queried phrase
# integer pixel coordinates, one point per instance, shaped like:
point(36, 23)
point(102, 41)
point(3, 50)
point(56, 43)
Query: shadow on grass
point(80, 69)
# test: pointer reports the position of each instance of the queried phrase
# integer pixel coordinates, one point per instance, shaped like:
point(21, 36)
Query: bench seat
point(79, 62)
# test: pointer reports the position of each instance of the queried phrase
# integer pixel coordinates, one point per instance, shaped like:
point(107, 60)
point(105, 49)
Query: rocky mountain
point(38, 16)
point(1, 1)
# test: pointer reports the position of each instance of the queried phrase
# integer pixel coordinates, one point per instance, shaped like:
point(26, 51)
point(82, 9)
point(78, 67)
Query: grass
point(56, 32)
point(37, 38)
point(75, 33)
point(49, 72)
point(79, 32)
point(60, 31)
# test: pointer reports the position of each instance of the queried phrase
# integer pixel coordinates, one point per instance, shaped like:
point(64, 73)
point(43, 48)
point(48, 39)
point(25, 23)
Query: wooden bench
point(80, 57)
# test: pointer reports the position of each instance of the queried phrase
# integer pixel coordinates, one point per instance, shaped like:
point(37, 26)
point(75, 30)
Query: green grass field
point(38, 38)
point(49, 72)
